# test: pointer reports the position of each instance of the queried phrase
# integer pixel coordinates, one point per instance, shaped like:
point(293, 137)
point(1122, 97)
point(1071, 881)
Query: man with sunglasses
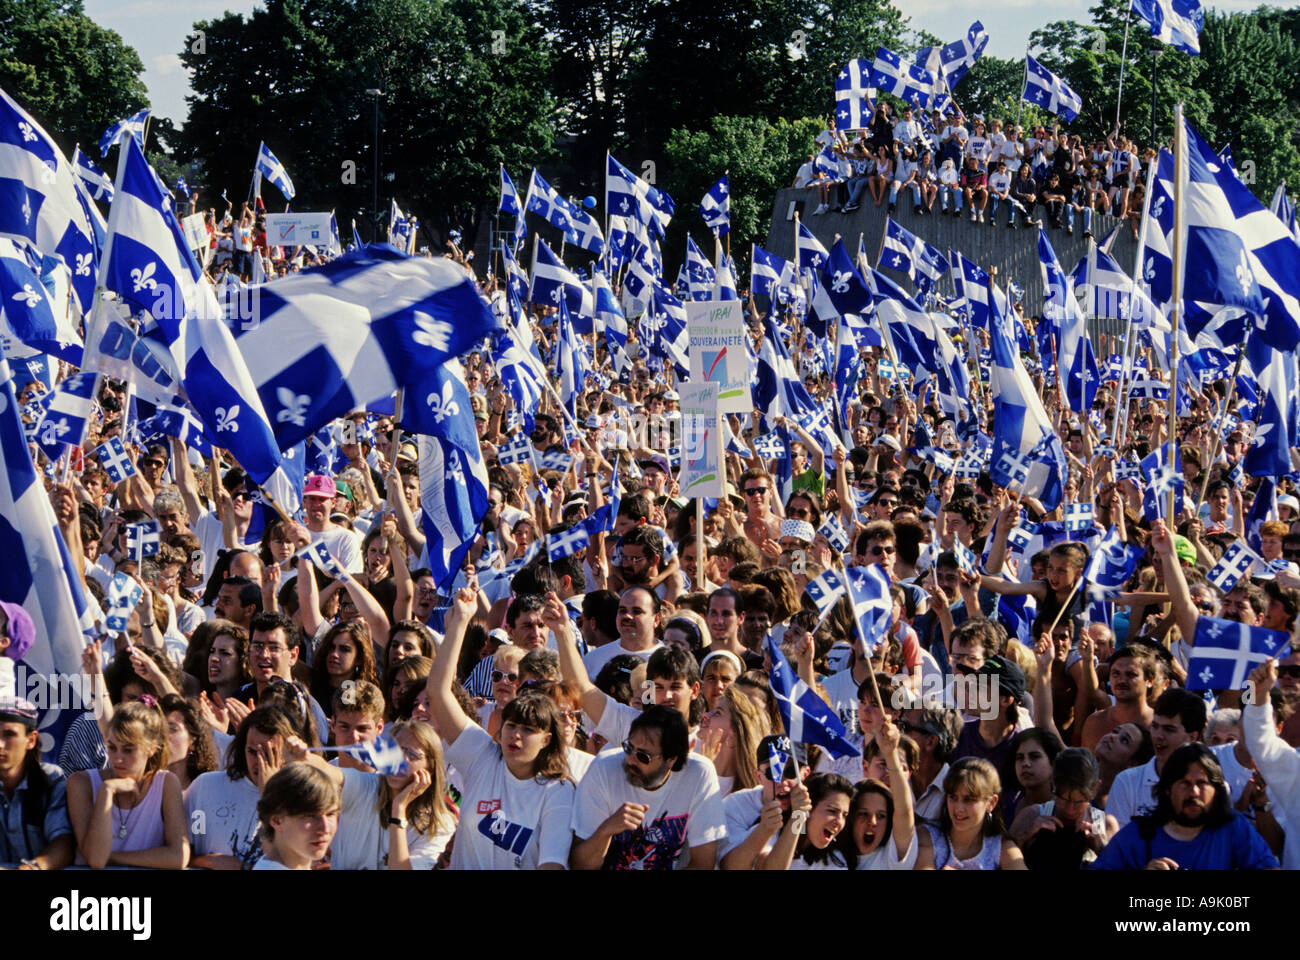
point(655, 807)
point(934, 729)
point(761, 524)
point(207, 524)
point(755, 816)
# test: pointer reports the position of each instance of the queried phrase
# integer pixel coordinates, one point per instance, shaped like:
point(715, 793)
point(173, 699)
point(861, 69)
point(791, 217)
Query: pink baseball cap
point(318, 485)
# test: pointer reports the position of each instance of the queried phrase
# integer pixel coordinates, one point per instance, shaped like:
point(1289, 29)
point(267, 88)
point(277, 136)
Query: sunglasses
point(796, 511)
point(880, 550)
point(887, 503)
point(498, 676)
point(153, 464)
point(1290, 670)
point(755, 491)
point(641, 755)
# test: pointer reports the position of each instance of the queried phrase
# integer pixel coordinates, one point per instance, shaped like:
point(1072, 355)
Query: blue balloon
point(589, 203)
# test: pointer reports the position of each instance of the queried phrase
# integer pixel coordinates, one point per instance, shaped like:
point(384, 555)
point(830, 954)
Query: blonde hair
point(143, 725)
point(508, 656)
point(748, 727)
point(430, 812)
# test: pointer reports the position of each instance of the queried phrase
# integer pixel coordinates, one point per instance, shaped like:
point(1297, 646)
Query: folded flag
point(807, 717)
point(1110, 566)
point(825, 591)
point(123, 595)
point(143, 539)
point(966, 561)
point(1232, 566)
point(873, 607)
point(319, 554)
point(833, 530)
point(383, 754)
point(1225, 652)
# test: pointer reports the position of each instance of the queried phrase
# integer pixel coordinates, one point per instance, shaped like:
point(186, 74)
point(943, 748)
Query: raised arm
point(1185, 614)
point(572, 668)
point(446, 710)
point(904, 827)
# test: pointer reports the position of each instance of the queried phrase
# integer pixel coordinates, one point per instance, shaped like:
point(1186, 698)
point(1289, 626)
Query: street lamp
point(376, 93)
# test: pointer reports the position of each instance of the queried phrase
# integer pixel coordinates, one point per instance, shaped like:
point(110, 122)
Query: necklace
point(123, 818)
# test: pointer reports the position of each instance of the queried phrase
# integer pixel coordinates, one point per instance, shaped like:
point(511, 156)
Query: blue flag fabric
point(1225, 652)
point(273, 170)
point(715, 208)
point(132, 126)
point(1175, 22)
point(807, 717)
point(1045, 89)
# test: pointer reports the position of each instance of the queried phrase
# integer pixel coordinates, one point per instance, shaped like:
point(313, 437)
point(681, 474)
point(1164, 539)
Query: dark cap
point(796, 751)
point(1011, 679)
point(17, 710)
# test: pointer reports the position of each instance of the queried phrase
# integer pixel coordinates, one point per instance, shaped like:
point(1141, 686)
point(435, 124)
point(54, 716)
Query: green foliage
point(72, 75)
point(758, 156)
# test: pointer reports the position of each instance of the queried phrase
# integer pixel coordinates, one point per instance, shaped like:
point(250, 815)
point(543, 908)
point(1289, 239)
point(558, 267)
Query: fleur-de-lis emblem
point(295, 407)
point(840, 281)
point(27, 210)
point(226, 418)
point(443, 406)
point(1245, 276)
point(29, 134)
point(83, 264)
point(431, 333)
point(1158, 208)
point(1149, 273)
point(143, 278)
point(29, 296)
point(1206, 675)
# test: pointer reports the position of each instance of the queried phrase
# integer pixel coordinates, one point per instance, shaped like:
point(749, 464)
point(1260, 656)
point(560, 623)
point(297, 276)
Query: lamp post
point(374, 210)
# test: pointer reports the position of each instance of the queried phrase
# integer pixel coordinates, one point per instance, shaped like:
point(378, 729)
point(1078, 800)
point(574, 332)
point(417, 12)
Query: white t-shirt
point(506, 823)
point(266, 863)
point(579, 761)
point(212, 541)
point(685, 812)
point(885, 856)
point(1000, 182)
point(222, 814)
point(978, 147)
point(843, 691)
point(804, 176)
point(742, 810)
point(948, 175)
point(344, 545)
point(596, 659)
point(362, 842)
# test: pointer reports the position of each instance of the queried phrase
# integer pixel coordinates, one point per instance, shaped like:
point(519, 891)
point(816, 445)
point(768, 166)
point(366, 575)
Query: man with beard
point(1193, 826)
point(755, 816)
point(657, 807)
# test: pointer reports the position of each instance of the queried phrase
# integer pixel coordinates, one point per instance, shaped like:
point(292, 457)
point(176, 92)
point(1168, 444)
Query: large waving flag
point(807, 717)
point(547, 204)
point(1076, 363)
point(873, 608)
point(975, 288)
point(955, 58)
point(1269, 454)
point(610, 316)
point(38, 572)
point(908, 82)
point(715, 208)
point(1226, 651)
point(552, 279)
point(273, 170)
point(152, 268)
point(907, 253)
point(520, 374)
point(132, 125)
point(31, 310)
point(700, 275)
point(911, 329)
point(510, 204)
point(98, 183)
point(855, 97)
point(1046, 90)
point(1176, 22)
point(664, 329)
point(778, 387)
point(628, 195)
point(39, 201)
point(1110, 566)
point(453, 477)
point(768, 271)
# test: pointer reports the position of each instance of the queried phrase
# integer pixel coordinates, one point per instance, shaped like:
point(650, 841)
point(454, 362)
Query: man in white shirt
point(755, 816)
point(656, 807)
point(907, 130)
point(1000, 191)
point(638, 619)
point(318, 496)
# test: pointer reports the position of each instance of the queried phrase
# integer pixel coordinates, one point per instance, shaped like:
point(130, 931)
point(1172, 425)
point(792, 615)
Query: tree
point(759, 158)
point(72, 75)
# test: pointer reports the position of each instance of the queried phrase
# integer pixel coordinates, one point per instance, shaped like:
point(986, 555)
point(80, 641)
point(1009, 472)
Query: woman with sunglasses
point(518, 797)
point(505, 687)
point(577, 749)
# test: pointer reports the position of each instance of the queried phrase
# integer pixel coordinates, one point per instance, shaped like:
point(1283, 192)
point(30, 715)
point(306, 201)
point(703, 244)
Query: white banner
point(702, 473)
point(717, 332)
point(196, 234)
point(298, 229)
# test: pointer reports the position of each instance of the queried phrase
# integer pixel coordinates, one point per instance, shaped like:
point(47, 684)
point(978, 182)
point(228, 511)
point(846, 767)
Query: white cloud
point(166, 64)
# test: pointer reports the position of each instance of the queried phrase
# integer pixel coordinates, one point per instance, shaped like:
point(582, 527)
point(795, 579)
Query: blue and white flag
point(715, 208)
point(907, 253)
point(543, 200)
point(383, 754)
point(142, 539)
point(974, 289)
point(700, 275)
point(908, 82)
point(35, 315)
point(807, 717)
point(510, 204)
point(567, 542)
point(178, 422)
point(40, 201)
point(1148, 388)
point(959, 56)
point(38, 572)
point(516, 450)
point(627, 195)
point(873, 607)
point(1225, 652)
point(1110, 566)
point(552, 279)
point(809, 254)
point(1263, 508)
point(152, 268)
point(825, 590)
point(910, 328)
point(97, 183)
point(67, 414)
point(273, 170)
point(123, 595)
point(1269, 453)
point(1078, 517)
point(1175, 22)
point(1046, 90)
point(855, 97)
point(114, 459)
point(767, 270)
point(319, 554)
point(1163, 470)
point(133, 125)
point(453, 479)
point(727, 287)
point(1232, 566)
point(778, 388)
point(1076, 363)
point(833, 530)
point(967, 562)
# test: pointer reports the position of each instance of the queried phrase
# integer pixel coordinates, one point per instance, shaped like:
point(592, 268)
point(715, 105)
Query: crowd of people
point(1034, 175)
point(614, 708)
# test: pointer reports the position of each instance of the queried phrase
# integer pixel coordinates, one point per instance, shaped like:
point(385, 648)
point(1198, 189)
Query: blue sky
point(157, 28)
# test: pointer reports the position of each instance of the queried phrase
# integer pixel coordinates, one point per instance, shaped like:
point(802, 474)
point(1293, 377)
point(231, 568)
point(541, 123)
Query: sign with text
point(298, 229)
point(196, 234)
point(718, 354)
point(701, 474)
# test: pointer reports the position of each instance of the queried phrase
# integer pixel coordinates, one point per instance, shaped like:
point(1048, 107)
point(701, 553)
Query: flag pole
point(1123, 57)
point(1180, 252)
point(1121, 398)
point(1217, 439)
point(1020, 104)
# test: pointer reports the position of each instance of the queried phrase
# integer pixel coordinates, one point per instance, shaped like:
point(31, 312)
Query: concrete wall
point(1014, 253)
